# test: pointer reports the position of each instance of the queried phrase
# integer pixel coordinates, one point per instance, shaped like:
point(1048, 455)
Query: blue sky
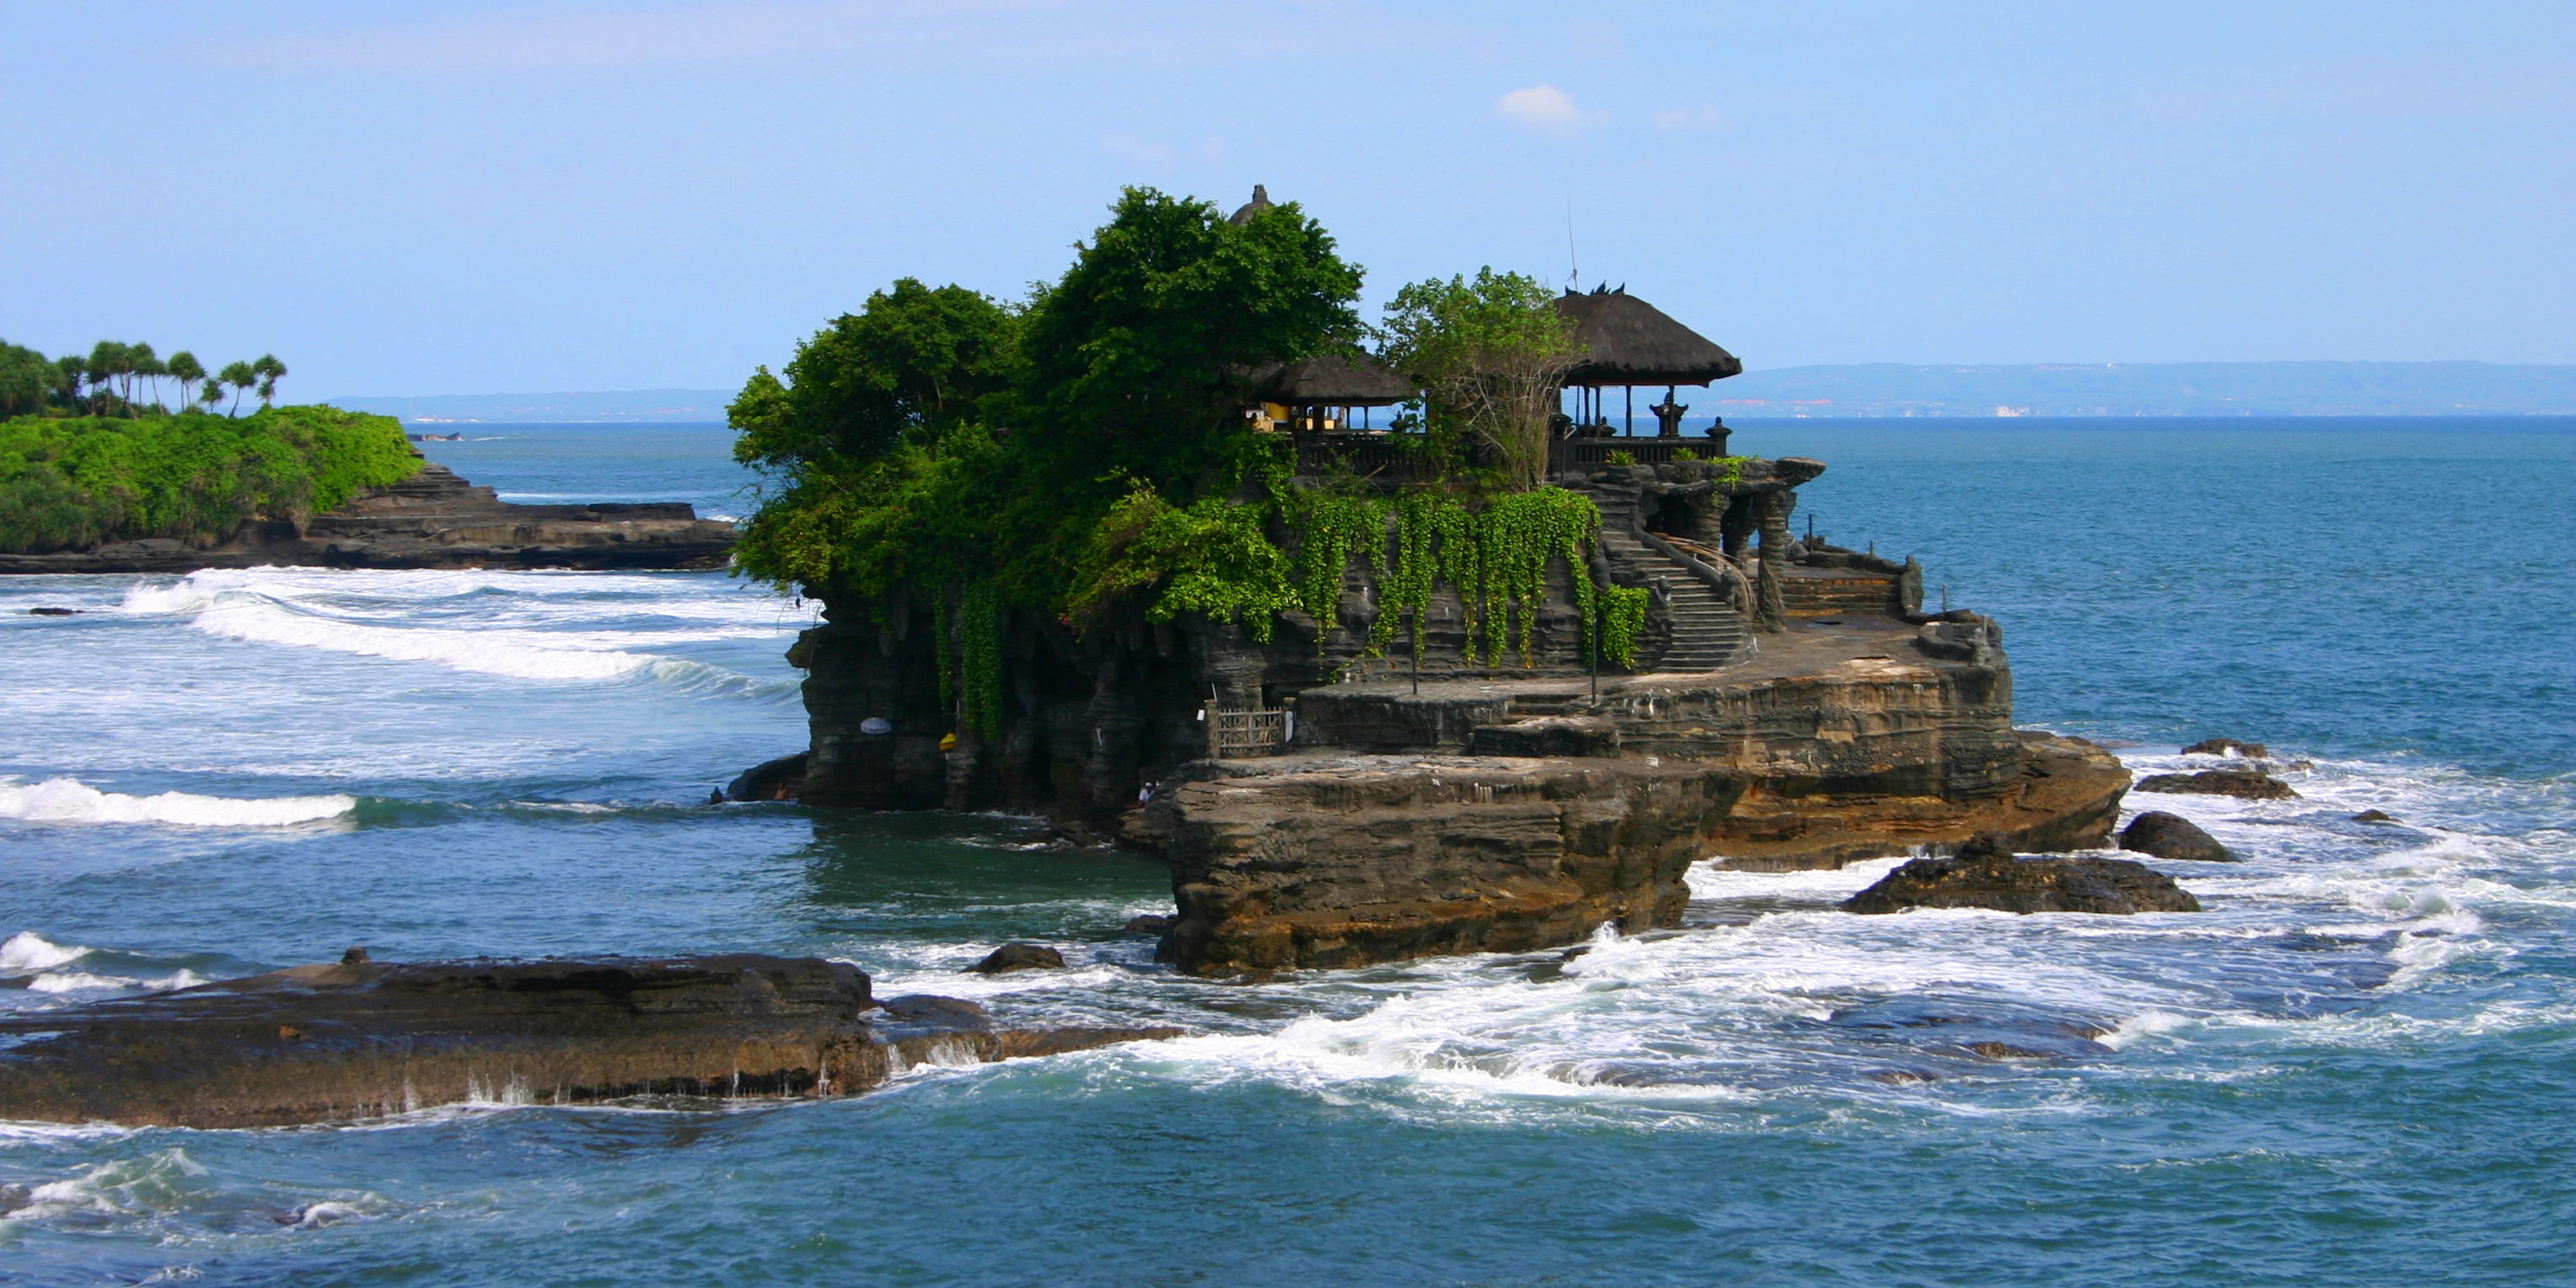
point(468, 197)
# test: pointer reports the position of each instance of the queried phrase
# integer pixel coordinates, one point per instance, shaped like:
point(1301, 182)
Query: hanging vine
point(1215, 558)
point(942, 646)
point(1623, 618)
point(1330, 529)
point(979, 646)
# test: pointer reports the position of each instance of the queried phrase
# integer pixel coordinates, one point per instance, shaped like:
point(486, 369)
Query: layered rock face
point(357, 1040)
point(1341, 861)
point(433, 520)
point(1475, 809)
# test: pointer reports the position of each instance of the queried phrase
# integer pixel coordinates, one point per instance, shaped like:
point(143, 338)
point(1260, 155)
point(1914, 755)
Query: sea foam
point(29, 951)
point(65, 800)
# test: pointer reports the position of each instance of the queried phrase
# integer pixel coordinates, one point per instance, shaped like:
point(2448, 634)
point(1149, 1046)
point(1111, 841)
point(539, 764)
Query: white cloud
point(1543, 108)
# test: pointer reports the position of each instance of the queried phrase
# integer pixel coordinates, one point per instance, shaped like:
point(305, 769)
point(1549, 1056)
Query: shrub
point(73, 484)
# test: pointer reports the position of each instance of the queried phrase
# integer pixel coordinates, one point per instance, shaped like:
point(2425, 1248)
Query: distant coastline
point(1862, 390)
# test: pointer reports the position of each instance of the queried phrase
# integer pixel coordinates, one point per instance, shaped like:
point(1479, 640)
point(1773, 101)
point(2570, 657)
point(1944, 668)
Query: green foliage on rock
point(69, 484)
point(1490, 352)
point(1086, 451)
point(1049, 456)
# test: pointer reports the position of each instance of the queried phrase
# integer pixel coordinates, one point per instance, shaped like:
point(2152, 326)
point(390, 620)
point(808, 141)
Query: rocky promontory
point(361, 1039)
point(1466, 809)
point(431, 520)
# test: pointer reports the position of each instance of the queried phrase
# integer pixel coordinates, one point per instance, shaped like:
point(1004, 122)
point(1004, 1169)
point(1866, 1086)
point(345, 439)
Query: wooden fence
point(1256, 730)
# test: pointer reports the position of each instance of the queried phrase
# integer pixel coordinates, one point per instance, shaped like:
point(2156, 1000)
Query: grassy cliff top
point(70, 484)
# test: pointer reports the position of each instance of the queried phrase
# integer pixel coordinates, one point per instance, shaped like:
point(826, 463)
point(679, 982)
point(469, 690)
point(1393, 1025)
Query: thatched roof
point(1635, 343)
point(1331, 380)
point(1260, 202)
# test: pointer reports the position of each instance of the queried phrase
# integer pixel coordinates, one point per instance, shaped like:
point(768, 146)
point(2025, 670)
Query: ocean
point(2358, 1066)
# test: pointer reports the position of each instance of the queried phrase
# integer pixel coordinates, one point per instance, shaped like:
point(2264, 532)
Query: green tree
point(270, 371)
point(69, 370)
point(212, 396)
point(938, 440)
point(241, 377)
point(1490, 353)
point(25, 379)
point(146, 365)
point(185, 369)
point(108, 363)
point(911, 365)
point(1139, 357)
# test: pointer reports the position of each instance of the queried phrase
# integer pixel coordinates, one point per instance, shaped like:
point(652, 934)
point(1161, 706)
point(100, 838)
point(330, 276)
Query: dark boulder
point(2227, 747)
point(1983, 874)
point(1546, 736)
point(1018, 956)
point(2245, 784)
point(1149, 924)
point(362, 1039)
point(2171, 836)
point(54, 612)
point(2374, 816)
point(775, 780)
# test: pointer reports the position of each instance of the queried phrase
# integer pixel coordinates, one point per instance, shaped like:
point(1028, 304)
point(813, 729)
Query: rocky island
point(1486, 680)
point(126, 489)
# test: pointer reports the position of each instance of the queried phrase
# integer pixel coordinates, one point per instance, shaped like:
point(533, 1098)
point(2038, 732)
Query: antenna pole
point(1573, 266)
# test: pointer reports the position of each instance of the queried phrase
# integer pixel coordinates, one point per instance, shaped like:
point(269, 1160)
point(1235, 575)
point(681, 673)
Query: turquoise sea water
point(2357, 1067)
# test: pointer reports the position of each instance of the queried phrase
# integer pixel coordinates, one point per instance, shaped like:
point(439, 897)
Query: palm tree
point(70, 368)
point(185, 369)
point(213, 395)
point(270, 371)
point(149, 366)
point(241, 378)
point(107, 361)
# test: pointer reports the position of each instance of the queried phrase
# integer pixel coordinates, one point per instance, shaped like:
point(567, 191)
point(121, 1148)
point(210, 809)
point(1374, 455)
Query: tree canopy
point(121, 379)
point(939, 435)
point(1491, 352)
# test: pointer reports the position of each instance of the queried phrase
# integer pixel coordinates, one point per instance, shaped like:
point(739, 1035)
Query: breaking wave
point(65, 800)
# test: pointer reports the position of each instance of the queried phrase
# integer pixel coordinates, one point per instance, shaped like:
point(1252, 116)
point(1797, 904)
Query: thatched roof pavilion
point(1260, 202)
point(1635, 343)
point(1332, 380)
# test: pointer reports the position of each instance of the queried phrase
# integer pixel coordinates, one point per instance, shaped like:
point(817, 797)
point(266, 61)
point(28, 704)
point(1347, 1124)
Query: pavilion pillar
point(1771, 612)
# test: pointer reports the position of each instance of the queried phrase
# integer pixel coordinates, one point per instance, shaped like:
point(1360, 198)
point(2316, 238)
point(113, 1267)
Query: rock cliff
point(1794, 709)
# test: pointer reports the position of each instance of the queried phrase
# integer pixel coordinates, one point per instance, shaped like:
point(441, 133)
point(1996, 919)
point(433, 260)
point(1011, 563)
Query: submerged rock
point(361, 1039)
point(1148, 924)
point(2171, 836)
point(1017, 956)
point(2227, 747)
point(2374, 816)
point(770, 780)
point(2245, 784)
point(1983, 874)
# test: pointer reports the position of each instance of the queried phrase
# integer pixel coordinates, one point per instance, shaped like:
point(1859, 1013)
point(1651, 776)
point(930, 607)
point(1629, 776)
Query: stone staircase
point(1707, 632)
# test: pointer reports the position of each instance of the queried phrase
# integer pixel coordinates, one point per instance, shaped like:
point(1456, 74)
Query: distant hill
point(634, 405)
point(2149, 389)
point(1867, 389)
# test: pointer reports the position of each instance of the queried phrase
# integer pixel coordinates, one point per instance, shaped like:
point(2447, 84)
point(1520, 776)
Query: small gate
point(1256, 730)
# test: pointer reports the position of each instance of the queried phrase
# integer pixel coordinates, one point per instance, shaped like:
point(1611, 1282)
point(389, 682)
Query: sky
point(481, 197)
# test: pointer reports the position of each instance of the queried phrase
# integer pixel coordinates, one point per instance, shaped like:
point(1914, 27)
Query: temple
point(1369, 783)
